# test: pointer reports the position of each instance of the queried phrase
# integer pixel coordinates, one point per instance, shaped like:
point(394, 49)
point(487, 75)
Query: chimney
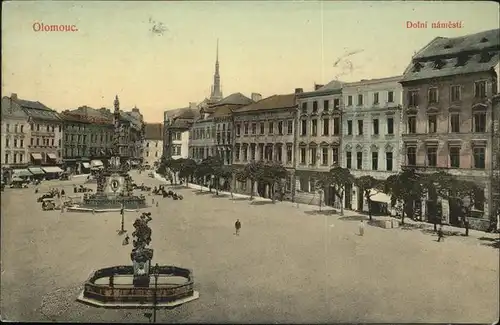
point(13, 96)
point(256, 97)
point(316, 87)
point(299, 90)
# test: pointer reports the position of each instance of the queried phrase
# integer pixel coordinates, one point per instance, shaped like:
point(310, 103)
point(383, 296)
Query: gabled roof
point(224, 110)
point(332, 85)
point(269, 103)
point(444, 46)
point(37, 110)
point(234, 99)
point(184, 113)
point(10, 109)
point(153, 131)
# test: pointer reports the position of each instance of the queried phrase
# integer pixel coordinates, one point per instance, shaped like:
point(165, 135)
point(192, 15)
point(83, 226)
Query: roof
point(36, 110)
point(364, 82)
point(9, 110)
point(234, 99)
point(224, 110)
point(332, 85)
point(153, 131)
point(444, 46)
point(185, 112)
point(272, 102)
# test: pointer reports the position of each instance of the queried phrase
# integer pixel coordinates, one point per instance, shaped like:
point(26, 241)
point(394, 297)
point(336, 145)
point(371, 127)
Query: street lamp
point(122, 212)
point(156, 273)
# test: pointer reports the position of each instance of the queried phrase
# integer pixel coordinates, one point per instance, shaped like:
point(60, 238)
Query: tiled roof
point(37, 110)
point(153, 131)
point(224, 110)
point(182, 123)
point(185, 112)
point(332, 85)
point(443, 46)
point(234, 99)
point(269, 103)
point(10, 109)
point(31, 104)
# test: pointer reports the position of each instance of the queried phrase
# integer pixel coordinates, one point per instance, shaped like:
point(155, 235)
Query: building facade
point(15, 138)
point(318, 140)
point(153, 144)
point(134, 133)
point(264, 130)
point(371, 133)
point(448, 89)
point(177, 124)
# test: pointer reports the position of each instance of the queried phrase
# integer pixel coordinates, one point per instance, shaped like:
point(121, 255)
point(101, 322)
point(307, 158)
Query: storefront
point(36, 159)
point(37, 172)
point(52, 172)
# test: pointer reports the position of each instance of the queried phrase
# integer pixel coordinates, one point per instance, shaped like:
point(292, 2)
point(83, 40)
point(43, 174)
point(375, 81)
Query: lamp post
point(122, 212)
point(156, 275)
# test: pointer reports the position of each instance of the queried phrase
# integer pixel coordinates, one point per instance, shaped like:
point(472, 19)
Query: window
point(313, 152)
point(360, 100)
point(22, 130)
point(411, 156)
point(433, 95)
point(280, 127)
point(237, 153)
point(315, 107)
point(303, 127)
point(390, 125)
point(335, 156)
point(374, 160)
point(38, 127)
point(324, 156)
point(455, 93)
point(349, 100)
point(412, 124)
point(32, 126)
point(455, 157)
point(252, 151)
point(480, 122)
point(271, 127)
point(479, 158)
point(15, 143)
point(279, 154)
point(432, 156)
point(15, 158)
point(262, 128)
point(390, 96)
point(360, 127)
point(6, 158)
point(15, 128)
point(37, 141)
point(349, 127)
point(254, 128)
point(22, 143)
point(375, 126)
point(314, 127)
point(348, 157)
point(289, 151)
point(238, 130)
point(336, 103)
point(375, 99)
point(388, 161)
point(156, 154)
point(413, 98)
point(480, 89)
point(326, 103)
point(246, 128)
point(289, 126)
point(336, 126)
point(304, 108)
point(7, 127)
point(432, 123)
point(245, 152)
point(455, 123)
point(33, 140)
point(326, 126)
point(359, 160)
point(48, 128)
point(303, 156)
point(52, 142)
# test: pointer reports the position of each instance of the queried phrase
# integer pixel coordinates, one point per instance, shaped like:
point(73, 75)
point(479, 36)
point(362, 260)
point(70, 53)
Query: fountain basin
point(96, 201)
point(122, 294)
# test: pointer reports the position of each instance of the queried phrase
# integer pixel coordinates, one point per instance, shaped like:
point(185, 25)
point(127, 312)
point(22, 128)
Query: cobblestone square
point(287, 265)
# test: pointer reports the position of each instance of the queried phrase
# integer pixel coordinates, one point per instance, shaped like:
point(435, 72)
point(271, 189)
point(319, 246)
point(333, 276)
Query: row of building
point(37, 137)
point(438, 115)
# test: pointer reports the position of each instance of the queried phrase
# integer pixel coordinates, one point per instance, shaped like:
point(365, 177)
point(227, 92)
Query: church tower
point(216, 93)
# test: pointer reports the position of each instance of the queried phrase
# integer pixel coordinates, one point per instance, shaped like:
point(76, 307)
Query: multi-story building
point(153, 144)
point(448, 89)
point(134, 132)
point(88, 138)
point(202, 136)
point(264, 130)
point(15, 138)
point(44, 132)
point(371, 135)
point(317, 142)
point(177, 124)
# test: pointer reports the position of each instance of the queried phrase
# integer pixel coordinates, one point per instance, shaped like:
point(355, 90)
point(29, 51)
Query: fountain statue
point(114, 184)
point(141, 255)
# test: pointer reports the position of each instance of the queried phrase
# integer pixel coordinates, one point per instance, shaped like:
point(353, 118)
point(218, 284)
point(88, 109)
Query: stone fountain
point(139, 285)
point(114, 184)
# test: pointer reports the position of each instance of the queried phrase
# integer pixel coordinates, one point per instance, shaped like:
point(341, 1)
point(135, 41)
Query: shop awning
point(21, 173)
point(86, 165)
point(36, 171)
point(52, 156)
point(96, 163)
point(377, 196)
point(52, 169)
point(36, 156)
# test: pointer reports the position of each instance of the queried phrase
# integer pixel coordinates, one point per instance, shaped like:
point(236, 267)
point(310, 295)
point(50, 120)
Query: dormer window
point(484, 40)
point(438, 64)
point(448, 46)
point(417, 67)
point(486, 57)
point(462, 60)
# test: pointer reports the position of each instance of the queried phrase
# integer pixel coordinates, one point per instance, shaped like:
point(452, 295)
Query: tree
point(226, 172)
point(271, 173)
point(250, 172)
point(405, 187)
point(187, 169)
point(337, 177)
point(436, 185)
point(366, 184)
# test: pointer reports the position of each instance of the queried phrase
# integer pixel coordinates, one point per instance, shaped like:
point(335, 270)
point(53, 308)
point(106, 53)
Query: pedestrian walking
point(63, 193)
point(156, 204)
point(361, 228)
point(153, 200)
point(440, 234)
point(126, 240)
point(237, 226)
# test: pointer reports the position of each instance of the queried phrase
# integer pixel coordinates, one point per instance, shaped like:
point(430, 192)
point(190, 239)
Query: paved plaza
point(288, 264)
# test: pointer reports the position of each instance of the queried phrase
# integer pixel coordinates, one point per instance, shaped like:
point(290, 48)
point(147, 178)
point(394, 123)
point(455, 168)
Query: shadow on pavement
point(353, 218)
point(203, 193)
point(491, 242)
point(262, 202)
point(447, 233)
point(177, 187)
point(242, 199)
point(220, 196)
point(323, 213)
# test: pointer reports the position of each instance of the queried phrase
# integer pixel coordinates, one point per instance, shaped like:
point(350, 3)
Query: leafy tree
point(250, 172)
point(405, 187)
point(187, 169)
point(337, 177)
point(366, 184)
point(271, 173)
point(436, 185)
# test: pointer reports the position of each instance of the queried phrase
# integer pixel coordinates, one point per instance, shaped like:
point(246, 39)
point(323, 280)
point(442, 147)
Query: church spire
point(216, 94)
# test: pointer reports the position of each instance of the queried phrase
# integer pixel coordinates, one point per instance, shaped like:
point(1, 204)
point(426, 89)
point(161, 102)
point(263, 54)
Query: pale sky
point(265, 47)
